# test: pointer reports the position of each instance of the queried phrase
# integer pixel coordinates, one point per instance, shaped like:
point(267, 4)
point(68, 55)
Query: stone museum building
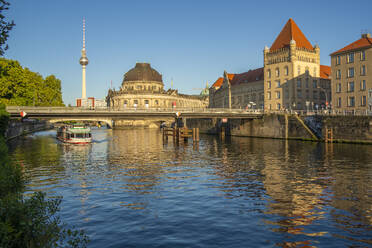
point(244, 90)
point(292, 78)
point(352, 76)
point(143, 87)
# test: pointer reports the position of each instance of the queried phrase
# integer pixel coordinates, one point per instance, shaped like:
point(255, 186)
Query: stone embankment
point(18, 128)
point(348, 129)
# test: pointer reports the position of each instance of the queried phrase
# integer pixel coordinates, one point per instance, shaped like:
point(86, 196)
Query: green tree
point(50, 93)
point(22, 87)
point(5, 27)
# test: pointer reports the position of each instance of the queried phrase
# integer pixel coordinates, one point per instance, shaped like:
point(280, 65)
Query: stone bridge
point(129, 117)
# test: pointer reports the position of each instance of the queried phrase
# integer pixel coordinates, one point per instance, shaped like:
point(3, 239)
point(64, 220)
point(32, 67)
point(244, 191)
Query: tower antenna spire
point(83, 62)
point(84, 33)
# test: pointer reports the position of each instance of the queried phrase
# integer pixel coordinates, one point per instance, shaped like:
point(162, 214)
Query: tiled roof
point(248, 77)
point(363, 42)
point(291, 32)
point(219, 81)
point(325, 71)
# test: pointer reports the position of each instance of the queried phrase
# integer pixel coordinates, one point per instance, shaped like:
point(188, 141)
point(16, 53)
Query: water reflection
point(40, 157)
point(236, 192)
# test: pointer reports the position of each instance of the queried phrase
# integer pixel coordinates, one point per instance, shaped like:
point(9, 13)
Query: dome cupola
point(143, 72)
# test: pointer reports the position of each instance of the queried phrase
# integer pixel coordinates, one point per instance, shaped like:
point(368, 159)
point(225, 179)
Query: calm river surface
point(127, 189)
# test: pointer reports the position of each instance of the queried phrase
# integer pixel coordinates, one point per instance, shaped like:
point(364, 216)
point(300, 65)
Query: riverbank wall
point(18, 128)
point(347, 129)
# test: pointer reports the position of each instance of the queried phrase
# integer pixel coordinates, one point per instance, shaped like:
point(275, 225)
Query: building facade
point(143, 87)
point(294, 78)
point(244, 90)
point(352, 76)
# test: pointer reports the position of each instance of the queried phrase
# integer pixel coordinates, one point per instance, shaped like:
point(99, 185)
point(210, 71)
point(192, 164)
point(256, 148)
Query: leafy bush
point(4, 118)
point(29, 222)
point(34, 222)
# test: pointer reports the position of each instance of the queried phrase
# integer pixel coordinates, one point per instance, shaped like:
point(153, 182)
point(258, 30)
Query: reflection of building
point(238, 90)
point(143, 87)
point(294, 78)
point(352, 81)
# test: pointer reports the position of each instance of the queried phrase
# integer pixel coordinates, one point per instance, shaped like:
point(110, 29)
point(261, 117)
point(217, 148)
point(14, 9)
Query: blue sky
point(191, 42)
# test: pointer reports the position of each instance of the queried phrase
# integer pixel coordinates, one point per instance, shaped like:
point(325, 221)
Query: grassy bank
point(29, 222)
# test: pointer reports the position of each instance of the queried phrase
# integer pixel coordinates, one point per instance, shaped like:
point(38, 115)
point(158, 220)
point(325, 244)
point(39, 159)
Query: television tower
point(84, 62)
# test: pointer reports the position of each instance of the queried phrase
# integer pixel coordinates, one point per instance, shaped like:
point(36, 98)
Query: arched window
point(315, 74)
point(286, 70)
point(307, 70)
point(277, 73)
point(269, 73)
point(298, 70)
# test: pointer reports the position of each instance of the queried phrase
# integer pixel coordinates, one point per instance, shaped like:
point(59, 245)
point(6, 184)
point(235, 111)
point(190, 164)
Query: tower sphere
point(84, 60)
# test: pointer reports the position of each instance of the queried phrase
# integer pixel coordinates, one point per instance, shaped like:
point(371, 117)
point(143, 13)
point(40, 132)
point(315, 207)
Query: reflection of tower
point(84, 62)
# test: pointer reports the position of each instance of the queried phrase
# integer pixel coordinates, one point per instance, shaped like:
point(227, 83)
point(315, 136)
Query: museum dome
point(143, 72)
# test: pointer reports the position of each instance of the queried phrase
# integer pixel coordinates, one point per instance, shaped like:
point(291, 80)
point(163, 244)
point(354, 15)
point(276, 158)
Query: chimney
point(366, 35)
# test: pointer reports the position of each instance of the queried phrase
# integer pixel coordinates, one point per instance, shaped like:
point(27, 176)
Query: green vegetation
point(22, 87)
point(5, 27)
point(29, 222)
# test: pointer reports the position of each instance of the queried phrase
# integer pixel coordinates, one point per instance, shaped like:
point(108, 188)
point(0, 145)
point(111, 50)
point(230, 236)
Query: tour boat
point(74, 134)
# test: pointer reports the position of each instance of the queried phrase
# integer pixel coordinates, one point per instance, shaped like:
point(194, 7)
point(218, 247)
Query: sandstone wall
point(354, 129)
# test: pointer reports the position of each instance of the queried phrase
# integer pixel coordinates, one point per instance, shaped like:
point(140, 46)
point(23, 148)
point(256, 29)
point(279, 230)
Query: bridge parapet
point(28, 109)
point(15, 110)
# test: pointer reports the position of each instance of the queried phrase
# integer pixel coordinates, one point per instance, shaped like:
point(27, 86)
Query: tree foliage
point(22, 87)
point(4, 118)
point(5, 27)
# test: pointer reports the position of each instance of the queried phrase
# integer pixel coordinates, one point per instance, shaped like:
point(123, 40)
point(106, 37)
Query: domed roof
point(143, 72)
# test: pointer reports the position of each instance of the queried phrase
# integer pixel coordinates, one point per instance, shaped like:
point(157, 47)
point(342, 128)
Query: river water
point(128, 189)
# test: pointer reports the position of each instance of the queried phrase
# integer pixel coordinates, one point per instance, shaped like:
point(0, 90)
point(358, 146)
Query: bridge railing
point(30, 109)
point(18, 109)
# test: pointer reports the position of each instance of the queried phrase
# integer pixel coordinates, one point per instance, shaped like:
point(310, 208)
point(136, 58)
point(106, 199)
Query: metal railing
point(127, 110)
point(331, 112)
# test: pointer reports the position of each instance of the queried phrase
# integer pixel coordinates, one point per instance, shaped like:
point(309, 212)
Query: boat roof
point(75, 129)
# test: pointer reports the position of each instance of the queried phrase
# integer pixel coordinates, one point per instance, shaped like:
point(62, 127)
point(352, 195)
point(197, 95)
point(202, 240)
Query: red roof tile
point(219, 81)
point(325, 71)
point(248, 77)
point(363, 42)
point(291, 32)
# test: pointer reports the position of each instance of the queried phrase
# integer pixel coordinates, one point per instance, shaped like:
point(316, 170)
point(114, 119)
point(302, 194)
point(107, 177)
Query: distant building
point(143, 87)
point(294, 78)
point(352, 76)
point(244, 90)
point(91, 102)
